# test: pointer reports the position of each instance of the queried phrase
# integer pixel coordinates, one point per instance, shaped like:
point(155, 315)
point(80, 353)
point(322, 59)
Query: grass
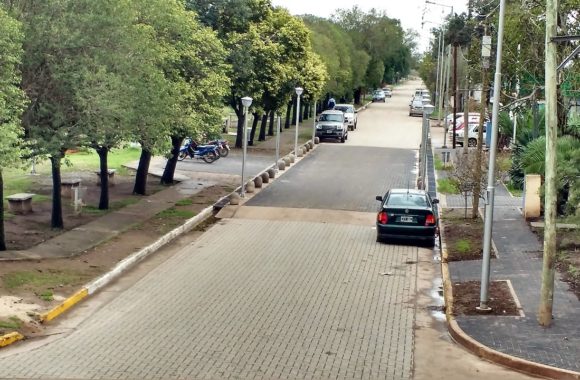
point(439, 165)
point(46, 295)
point(174, 213)
point(50, 278)
point(93, 210)
point(463, 246)
point(184, 202)
point(514, 190)
point(447, 186)
point(12, 323)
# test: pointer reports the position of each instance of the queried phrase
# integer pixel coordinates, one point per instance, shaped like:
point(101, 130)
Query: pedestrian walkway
point(520, 261)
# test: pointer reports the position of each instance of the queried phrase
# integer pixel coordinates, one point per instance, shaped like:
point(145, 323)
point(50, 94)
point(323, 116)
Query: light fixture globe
point(246, 101)
point(428, 109)
point(299, 91)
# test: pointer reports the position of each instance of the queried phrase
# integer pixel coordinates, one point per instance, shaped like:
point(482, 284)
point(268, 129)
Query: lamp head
point(428, 109)
point(299, 90)
point(247, 101)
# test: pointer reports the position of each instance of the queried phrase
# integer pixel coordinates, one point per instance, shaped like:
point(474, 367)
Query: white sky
point(410, 12)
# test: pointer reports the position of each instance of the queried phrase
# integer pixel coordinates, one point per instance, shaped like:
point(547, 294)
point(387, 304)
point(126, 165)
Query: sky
point(410, 12)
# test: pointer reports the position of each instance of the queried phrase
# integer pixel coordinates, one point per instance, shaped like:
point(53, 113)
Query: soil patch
point(568, 256)
point(466, 299)
point(26, 231)
point(463, 237)
point(42, 284)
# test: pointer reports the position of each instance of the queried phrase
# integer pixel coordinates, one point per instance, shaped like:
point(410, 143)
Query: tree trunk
point(294, 99)
point(306, 112)
point(253, 131)
point(271, 127)
point(240, 128)
point(104, 198)
point(455, 95)
point(140, 187)
point(2, 236)
point(357, 96)
point(171, 164)
point(466, 121)
point(262, 135)
point(479, 157)
point(288, 114)
point(56, 220)
point(301, 111)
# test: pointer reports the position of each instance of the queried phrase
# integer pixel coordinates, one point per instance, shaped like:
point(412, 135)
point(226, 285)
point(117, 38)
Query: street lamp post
point(278, 125)
point(299, 91)
point(314, 124)
point(489, 199)
point(246, 102)
point(427, 110)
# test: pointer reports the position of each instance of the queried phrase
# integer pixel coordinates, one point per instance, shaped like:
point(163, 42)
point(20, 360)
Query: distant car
point(379, 96)
point(388, 92)
point(332, 125)
point(416, 107)
point(472, 136)
point(421, 92)
point(407, 214)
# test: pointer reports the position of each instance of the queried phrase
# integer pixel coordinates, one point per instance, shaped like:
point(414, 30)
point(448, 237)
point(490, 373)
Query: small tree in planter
point(467, 176)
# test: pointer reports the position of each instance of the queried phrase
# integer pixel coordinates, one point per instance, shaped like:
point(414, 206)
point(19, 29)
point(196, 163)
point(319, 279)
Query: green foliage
point(13, 323)
point(175, 213)
point(463, 246)
point(47, 295)
point(447, 186)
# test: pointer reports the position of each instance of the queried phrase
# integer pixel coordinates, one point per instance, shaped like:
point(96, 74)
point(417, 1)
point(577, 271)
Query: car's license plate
point(406, 219)
point(328, 132)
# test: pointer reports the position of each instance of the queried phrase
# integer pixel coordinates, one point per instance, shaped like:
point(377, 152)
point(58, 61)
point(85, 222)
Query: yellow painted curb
point(10, 338)
point(64, 306)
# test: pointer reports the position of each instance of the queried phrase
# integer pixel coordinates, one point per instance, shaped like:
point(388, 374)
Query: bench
point(111, 175)
point(67, 185)
point(20, 203)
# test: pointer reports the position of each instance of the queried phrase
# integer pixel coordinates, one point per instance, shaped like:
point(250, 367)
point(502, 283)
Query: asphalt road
point(292, 286)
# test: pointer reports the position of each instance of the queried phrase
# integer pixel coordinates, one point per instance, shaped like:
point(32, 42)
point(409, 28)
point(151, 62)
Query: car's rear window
point(330, 117)
point(407, 200)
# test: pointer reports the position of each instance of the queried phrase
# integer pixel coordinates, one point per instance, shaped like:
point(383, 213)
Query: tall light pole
point(314, 124)
point(490, 193)
point(299, 91)
point(246, 102)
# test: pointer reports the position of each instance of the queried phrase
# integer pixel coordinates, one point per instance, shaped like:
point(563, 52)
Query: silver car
point(332, 125)
point(349, 115)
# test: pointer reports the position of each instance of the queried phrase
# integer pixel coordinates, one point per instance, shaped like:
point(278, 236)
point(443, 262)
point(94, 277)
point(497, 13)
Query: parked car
point(421, 92)
point(388, 92)
point(349, 115)
point(332, 125)
point(379, 96)
point(416, 107)
point(407, 214)
point(472, 135)
point(459, 123)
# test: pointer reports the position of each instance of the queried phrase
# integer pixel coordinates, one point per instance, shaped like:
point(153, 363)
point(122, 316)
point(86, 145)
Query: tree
point(12, 103)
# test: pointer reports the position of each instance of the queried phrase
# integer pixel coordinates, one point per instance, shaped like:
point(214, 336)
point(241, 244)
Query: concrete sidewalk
point(520, 341)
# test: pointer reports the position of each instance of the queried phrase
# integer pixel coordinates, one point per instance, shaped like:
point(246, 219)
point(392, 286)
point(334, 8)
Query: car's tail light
point(382, 217)
point(430, 220)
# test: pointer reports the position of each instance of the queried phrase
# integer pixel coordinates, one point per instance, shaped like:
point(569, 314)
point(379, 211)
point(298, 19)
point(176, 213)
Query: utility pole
point(454, 94)
point(551, 120)
point(446, 98)
point(490, 193)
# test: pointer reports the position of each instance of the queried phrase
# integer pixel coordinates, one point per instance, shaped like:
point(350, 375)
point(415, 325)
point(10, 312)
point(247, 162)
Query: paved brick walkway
point(303, 308)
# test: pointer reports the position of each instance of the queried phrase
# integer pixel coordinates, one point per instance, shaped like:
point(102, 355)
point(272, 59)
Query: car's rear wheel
point(342, 139)
point(472, 143)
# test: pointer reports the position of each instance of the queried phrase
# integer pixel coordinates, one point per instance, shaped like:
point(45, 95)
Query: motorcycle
point(208, 153)
point(223, 146)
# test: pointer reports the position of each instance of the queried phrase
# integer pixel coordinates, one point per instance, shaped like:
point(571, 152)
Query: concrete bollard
point(271, 173)
point(250, 187)
point(265, 177)
point(287, 161)
point(306, 148)
point(258, 182)
point(311, 144)
point(300, 152)
point(234, 199)
point(317, 140)
point(281, 165)
point(292, 158)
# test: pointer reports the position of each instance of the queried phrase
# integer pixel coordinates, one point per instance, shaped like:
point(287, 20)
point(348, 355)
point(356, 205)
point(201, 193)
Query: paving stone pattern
point(303, 308)
point(339, 177)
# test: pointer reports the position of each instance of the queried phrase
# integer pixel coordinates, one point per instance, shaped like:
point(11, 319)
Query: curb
point(484, 352)
point(129, 262)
